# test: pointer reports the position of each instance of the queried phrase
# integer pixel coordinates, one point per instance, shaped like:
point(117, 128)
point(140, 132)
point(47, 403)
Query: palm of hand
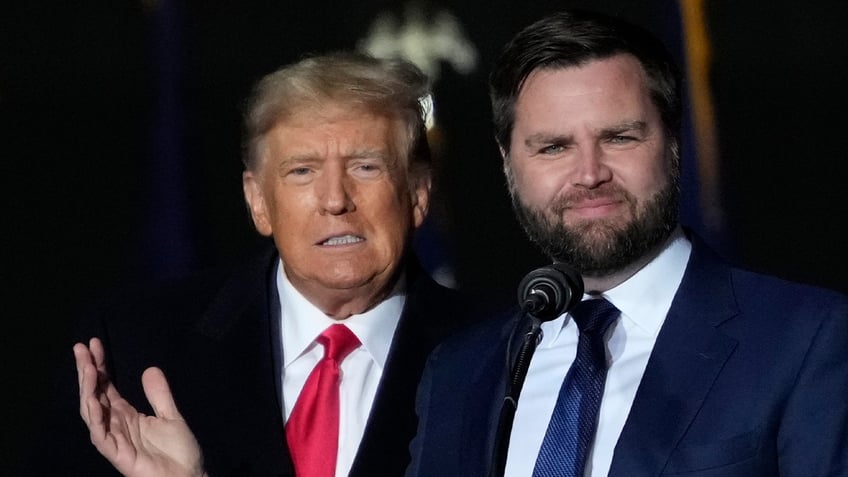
point(137, 445)
point(151, 445)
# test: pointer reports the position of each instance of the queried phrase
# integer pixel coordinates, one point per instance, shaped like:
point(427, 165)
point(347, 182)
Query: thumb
point(159, 394)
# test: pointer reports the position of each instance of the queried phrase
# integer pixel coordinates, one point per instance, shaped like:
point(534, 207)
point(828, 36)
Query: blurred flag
point(165, 242)
point(701, 206)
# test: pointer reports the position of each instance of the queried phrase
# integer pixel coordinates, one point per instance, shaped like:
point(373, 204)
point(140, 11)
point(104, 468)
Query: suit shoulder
point(174, 302)
point(713, 282)
point(771, 291)
point(490, 327)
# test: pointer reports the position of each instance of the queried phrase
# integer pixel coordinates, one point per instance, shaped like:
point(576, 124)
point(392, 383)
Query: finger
point(159, 394)
point(82, 356)
point(88, 391)
point(121, 420)
point(97, 428)
point(108, 390)
point(126, 452)
point(104, 384)
point(98, 354)
point(92, 381)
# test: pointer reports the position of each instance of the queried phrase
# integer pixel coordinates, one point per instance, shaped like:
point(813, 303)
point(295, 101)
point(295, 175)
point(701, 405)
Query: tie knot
point(338, 342)
point(593, 317)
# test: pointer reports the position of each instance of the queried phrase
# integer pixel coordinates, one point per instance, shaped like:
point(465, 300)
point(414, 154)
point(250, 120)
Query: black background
point(77, 97)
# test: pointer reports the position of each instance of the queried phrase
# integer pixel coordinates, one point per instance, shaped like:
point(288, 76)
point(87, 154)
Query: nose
point(592, 169)
point(333, 190)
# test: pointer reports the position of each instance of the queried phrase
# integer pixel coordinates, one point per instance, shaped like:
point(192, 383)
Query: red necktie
point(312, 430)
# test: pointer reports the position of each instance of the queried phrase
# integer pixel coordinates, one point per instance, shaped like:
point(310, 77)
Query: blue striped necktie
point(575, 417)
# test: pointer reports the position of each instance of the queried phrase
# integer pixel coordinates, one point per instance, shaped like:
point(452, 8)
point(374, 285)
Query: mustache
point(574, 197)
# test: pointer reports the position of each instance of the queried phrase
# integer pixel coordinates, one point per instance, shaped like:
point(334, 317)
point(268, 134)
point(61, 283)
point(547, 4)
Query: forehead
point(336, 125)
point(316, 113)
point(599, 89)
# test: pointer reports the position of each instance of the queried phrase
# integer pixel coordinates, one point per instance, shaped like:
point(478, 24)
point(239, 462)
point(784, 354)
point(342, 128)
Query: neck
point(597, 284)
point(340, 304)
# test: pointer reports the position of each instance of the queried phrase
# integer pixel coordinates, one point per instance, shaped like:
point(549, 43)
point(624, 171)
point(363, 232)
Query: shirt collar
point(645, 298)
point(302, 321)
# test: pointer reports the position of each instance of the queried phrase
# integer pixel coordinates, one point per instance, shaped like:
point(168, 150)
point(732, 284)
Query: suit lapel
point(493, 388)
point(487, 387)
point(236, 340)
point(427, 317)
point(687, 358)
point(382, 446)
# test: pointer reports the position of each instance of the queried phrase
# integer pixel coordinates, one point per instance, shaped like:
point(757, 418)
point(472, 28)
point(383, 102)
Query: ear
point(504, 158)
point(421, 199)
point(507, 170)
point(501, 149)
point(256, 203)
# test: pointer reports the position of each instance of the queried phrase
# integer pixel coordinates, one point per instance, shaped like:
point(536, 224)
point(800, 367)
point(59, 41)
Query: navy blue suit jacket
point(214, 337)
point(748, 377)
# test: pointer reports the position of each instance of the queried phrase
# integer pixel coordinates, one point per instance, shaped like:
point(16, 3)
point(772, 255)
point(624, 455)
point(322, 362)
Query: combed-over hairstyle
point(386, 86)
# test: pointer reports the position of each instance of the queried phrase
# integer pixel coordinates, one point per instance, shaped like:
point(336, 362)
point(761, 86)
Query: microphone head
point(550, 291)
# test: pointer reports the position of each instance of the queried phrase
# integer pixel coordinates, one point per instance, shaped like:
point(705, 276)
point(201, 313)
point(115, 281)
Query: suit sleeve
point(813, 435)
point(422, 406)
point(61, 445)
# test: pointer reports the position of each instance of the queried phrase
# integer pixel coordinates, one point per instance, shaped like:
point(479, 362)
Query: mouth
point(596, 208)
point(594, 203)
point(338, 240)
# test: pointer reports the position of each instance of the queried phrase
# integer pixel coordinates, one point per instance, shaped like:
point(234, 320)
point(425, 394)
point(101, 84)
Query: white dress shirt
point(361, 370)
point(644, 300)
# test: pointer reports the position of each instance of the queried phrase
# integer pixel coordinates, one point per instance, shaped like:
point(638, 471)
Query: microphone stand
point(510, 402)
point(544, 294)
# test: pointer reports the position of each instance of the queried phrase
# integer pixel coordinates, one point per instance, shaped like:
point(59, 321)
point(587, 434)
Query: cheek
point(647, 180)
point(538, 185)
point(397, 219)
point(288, 211)
point(393, 217)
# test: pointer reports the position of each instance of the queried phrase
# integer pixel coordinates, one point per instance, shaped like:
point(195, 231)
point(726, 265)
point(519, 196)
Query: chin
point(343, 282)
point(346, 276)
point(347, 273)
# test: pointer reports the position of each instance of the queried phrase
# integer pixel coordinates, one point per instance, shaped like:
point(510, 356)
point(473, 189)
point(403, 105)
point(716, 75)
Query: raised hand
point(136, 444)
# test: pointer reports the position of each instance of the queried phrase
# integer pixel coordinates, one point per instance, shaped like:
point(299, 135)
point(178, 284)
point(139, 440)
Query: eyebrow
point(301, 159)
point(547, 138)
point(368, 154)
point(551, 138)
point(637, 125)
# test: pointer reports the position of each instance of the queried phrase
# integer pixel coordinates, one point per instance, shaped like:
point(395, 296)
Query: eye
point(298, 174)
point(367, 169)
point(621, 139)
point(552, 149)
point(299, 171)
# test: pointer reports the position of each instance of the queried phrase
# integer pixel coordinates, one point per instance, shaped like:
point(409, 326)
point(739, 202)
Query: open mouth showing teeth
point(343, 240)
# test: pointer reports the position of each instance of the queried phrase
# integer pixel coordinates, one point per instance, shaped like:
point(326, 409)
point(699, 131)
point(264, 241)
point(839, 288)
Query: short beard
point(599, 248)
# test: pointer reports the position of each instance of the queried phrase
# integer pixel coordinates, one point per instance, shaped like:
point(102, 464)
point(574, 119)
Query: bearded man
point(675, 362)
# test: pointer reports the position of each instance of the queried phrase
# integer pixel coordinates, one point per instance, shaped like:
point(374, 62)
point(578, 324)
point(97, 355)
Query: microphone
point(544, 294)
point(550, 291)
